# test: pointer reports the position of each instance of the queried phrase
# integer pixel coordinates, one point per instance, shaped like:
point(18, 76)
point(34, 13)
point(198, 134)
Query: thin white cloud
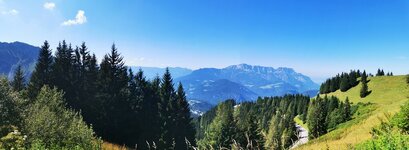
point(49, 6)
point(12, 12)
point(80, 18)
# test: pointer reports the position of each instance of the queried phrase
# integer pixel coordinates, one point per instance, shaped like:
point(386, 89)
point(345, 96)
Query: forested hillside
point(372, 116)
point(120, 106)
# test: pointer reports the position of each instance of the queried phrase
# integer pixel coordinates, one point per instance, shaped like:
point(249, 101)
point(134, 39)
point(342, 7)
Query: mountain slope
point(12, 54)
point(388, 94)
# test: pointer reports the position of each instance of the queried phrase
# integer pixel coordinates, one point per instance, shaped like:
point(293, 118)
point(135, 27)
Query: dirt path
point(302, 136)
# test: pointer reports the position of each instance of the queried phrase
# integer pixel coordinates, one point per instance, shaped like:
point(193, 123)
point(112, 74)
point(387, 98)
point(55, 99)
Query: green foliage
point(9, 109)
point(389, 141)
point(253, 121)
point(401, 119)
point(364, 89)
point(343, 82)
point(50, 123)
point(325, 114)
point(388, 135)
point(13, 140)
point(185, 128)
point(221, 132)
point(18, 82)
point(316, 119)
point(123, 108)
point(344, 85)
point(42, 72)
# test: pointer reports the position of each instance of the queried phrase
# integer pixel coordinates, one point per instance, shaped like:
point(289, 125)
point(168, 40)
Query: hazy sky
point(318, 38)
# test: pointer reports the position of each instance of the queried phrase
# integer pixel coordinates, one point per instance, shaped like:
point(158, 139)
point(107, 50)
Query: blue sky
point(318, 38)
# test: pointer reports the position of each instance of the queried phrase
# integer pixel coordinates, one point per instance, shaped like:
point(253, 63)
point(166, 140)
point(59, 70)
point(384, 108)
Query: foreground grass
point(388, 94)
point(110, 146)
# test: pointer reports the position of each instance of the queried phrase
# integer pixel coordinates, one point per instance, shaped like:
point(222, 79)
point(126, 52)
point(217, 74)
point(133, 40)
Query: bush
point(13, 140)
point(388, 141)
point(50, 125)
point(390, 135)
point(401, 119)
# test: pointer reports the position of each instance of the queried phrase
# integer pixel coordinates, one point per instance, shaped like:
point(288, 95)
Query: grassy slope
point(298, 121)
point(388, 94)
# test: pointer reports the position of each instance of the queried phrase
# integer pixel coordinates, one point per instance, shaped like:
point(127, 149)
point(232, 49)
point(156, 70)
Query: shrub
point(13, 140)
point(50, 125)
point(401, 119)
point(388, 140)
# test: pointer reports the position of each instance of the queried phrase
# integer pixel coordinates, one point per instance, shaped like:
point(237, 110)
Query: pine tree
point(42, 72)
point(273, 139)
point(317, 115)
point(18, 82)
point(353, 75)
point(347, 110)
point(378, 73)
point(63, 73)
point(364, 88)
point(91, 105)
point(222, 130)
point(344, 85)
point(167, 111)
point(154, 117)
point(186, 130)
point(113, 94)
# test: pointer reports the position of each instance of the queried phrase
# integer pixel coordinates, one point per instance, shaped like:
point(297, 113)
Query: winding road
point(302, 136)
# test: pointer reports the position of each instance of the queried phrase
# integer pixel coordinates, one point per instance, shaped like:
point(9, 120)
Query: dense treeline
point(345, 81)
point(326, 113)
point(342, 82)
point(264, 124)
point(121, 106)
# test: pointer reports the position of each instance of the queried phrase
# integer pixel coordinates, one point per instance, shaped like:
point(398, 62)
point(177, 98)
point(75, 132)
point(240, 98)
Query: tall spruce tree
point(113, 94)
point(254, 135)
point(185, 131)
point(167, 112)
point(63, 73)
point(344, 85)
point(317, 115)
point(18, 82)
point(364, 88)
point(42, 72)
point(347, 110)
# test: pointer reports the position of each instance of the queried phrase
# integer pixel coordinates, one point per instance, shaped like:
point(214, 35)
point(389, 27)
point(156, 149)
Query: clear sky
point(318, 38)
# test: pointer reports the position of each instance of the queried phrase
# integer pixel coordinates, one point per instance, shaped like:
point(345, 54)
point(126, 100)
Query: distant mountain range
point(15, 53)
point(244, 82)
point(204, 87)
